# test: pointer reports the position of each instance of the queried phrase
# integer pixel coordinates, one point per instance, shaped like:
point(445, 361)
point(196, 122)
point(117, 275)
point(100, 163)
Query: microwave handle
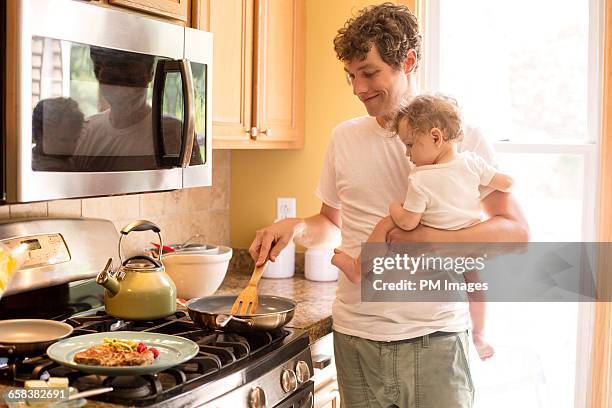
point(188, 130)
point(189, 120)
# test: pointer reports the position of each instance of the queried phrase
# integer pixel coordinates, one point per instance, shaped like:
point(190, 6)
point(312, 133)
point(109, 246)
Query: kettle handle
point(140, 225)
point(146, 258)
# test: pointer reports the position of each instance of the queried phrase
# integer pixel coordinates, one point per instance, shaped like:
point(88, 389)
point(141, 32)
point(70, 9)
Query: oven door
point(89, 113)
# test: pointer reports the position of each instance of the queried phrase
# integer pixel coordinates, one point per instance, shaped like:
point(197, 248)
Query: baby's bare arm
point(406, 220)
point(378, 235)
point(502, 182)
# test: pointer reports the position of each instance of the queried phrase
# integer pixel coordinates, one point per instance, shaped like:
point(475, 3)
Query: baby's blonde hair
point(425, 112)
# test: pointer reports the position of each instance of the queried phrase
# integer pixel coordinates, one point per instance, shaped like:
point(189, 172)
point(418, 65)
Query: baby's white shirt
point(448, 193)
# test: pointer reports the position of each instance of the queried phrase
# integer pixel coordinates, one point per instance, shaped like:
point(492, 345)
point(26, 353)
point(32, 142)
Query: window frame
point(593, 385)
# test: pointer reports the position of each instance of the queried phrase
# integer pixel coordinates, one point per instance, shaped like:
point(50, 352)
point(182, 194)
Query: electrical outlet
point(285, 207)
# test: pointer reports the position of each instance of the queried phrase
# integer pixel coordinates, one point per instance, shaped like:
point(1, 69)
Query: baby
point(443, 189)
point(56, 128)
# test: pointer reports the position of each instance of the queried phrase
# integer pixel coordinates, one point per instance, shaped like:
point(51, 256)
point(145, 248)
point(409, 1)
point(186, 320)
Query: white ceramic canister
point(317, 265)
point(283, 266)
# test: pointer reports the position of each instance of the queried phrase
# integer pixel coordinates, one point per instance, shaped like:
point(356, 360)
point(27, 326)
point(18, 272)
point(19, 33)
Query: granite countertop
point(314, 299)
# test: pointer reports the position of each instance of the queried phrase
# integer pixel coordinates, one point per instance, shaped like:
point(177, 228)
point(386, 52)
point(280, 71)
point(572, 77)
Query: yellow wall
point(258, 177)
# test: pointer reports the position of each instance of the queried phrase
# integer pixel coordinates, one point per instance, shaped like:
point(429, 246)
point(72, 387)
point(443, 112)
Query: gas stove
point(259, 369)
point(249, 369)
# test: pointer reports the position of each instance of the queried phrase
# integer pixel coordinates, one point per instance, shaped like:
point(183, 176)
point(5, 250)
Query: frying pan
point(213, 312)
point(26, 337)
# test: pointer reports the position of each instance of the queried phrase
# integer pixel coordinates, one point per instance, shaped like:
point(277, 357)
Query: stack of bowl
point(196, 269)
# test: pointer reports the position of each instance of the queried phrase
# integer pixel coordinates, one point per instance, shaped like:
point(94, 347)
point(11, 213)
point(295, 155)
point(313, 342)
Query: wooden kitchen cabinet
point(327, 395)
point(231, 23)
point(258, 71)
point(174, 9)
point(326, 391)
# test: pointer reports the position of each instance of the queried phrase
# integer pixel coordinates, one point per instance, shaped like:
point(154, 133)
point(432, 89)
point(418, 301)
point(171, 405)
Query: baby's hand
point(484, 349)
point(349, 266)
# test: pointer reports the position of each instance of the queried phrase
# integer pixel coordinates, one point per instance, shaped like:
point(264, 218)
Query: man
point(119, 138)
point(122, 137)
point(388, 354)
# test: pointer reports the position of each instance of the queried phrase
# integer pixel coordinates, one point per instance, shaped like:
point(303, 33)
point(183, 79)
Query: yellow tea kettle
point(140, 289)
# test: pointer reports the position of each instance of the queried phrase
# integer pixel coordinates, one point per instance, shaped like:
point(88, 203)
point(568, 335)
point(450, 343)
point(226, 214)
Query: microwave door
point(80, 120)
point(173, 113)
point(199, 53)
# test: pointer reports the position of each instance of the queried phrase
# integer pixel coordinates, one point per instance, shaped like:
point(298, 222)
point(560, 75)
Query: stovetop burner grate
point(220, 353)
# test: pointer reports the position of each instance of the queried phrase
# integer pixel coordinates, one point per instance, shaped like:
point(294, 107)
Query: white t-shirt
point(365, 168)
point(100, 138)
point(103, 147)
point(447, 194)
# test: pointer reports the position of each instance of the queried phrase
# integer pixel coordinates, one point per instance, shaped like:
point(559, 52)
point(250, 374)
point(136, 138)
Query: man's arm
point(321, 229)
point(380, 231)
point(501, 182)
point(506, 223)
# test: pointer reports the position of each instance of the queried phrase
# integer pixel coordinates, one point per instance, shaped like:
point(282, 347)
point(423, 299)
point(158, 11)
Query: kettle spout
point(107, 280)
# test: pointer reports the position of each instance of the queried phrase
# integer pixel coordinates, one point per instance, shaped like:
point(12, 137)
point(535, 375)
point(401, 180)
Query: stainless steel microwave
point(99, 102)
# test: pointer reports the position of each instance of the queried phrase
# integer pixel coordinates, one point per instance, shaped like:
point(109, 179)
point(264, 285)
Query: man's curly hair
point(392, 28)
point(425, 112)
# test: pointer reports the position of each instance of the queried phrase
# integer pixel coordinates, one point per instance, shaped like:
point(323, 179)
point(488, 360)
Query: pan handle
point(9, 349)
point(222, 320)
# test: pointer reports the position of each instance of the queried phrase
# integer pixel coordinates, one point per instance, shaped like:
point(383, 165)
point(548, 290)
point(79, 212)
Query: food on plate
point(52, 382)
point(35, 384)
point(116, 353)
point(58, 382)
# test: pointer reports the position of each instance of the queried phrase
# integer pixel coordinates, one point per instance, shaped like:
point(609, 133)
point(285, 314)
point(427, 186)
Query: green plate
point(173, 350)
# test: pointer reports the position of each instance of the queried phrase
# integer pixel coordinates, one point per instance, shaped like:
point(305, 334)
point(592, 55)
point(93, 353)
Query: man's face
point(377, 84)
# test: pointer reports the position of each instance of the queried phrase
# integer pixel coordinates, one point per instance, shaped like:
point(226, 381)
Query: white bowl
point(197, 274)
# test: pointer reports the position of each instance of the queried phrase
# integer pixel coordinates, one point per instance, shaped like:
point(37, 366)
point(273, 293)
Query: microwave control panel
point(40, 250)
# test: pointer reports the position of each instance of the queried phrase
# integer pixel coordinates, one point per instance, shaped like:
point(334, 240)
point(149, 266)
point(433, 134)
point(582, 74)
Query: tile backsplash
point(180, 214)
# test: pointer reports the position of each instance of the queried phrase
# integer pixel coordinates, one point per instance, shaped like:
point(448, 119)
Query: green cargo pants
point(427, 372)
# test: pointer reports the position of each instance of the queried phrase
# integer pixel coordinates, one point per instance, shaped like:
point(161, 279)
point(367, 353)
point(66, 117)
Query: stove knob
point(288, 380)
point(302, 371)
point(257, 398)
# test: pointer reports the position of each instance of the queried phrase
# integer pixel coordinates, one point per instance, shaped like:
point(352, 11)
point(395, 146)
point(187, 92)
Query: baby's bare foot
point(347, 265)
point(484, 349)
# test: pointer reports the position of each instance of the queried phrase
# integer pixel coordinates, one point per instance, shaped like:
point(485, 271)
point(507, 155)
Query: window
point(526, 73)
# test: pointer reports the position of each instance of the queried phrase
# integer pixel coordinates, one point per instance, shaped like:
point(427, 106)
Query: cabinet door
point(279, 77)
point(327, 396)
point(175, 9)
point(231, 23)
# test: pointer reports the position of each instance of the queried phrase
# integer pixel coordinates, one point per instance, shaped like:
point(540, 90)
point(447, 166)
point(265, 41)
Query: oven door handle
point(165, 159)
